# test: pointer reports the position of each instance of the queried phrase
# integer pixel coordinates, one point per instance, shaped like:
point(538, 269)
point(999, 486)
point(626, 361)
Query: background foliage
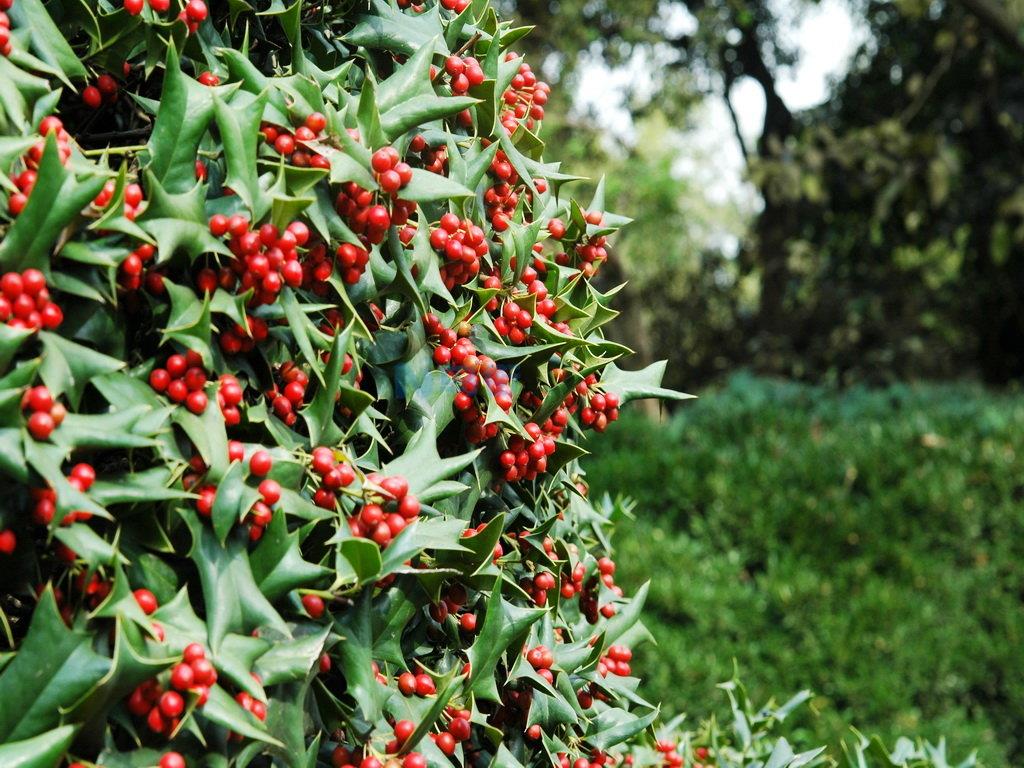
point(865, 544)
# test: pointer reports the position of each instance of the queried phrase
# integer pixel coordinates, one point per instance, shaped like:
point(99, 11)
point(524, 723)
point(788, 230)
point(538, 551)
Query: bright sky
point(826, 36)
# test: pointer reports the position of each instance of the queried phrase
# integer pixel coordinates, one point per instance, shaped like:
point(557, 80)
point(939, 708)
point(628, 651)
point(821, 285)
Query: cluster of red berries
point(464, 73)
point(334, 475)
point(433, 159)
point(343, 757)
point(289, 144)
point(391, 173)
point(542, 659)
point(368, 218)
point(44, 413)
point(81, 478)
point(25, 301)
point(132, 271)
point(389, 513)
point(591, 252)
point(601, 409)
point(133, 199)
point(26, 180)
point(317, 268)
point(421, 685)
point(525, 458)
point(183, 380)
point(469, 368)
point(671, 757)
point(501, 199)
point(104, 92)
point(352, 261)
point(459, 729)
point(597, 759)
point(288, 394)
point(162, 708)
point(229, 397)
point(463, 244)
point(615, 662)
point(260, 464)
point(451, 604)
point(266, 259)
point(237, 339)
point(5, 27)
point(524, 98)
point(193, 15)
point(252, 705)
point(538, 587)
point(588, 591)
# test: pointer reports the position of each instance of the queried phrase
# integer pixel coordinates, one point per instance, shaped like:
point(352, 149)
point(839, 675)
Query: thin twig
point(131, 133)
point(114, 150)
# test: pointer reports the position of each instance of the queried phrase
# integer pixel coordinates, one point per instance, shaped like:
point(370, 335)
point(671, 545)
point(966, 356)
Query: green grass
point(866, 544)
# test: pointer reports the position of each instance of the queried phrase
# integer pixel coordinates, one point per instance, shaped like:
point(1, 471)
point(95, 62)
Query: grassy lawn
point(866, 544)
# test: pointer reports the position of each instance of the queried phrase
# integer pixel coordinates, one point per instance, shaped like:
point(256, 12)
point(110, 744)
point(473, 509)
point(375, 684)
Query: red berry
point(146, 600)
point(425, 685)
point(172, 760)
point(407, 683)
point(182, 677)
point(193, 652)
point(92, 97)
point(41, 425)
point(196, 402)
point(39, 399)
point(260, 463)
point(270, 490)
point(403, 730)
point(314, 605)
point(204, 672)
point(446, 743)
point(196, 10)
point(171, 704)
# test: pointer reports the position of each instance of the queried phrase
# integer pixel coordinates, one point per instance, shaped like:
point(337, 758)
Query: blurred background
point(829, 206)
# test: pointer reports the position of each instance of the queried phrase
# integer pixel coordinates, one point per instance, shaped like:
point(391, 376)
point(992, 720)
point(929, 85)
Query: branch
point(736, 123)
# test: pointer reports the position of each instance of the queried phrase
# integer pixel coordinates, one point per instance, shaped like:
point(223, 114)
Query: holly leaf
point(503, 624)
point(392, 30)
point(636, 385)
point(52, 670)
point(46, 40)
point(186, 108)
point(56, 200)
point(239, 126)
point(291, 661)
point(356, 651)
point(68, 367)
point(234, 498)
point(426, 187)
point(422, 465)
point(225, 711)
point(277, 563)
point(614, 726)
point(234, 602)
point(42, 751)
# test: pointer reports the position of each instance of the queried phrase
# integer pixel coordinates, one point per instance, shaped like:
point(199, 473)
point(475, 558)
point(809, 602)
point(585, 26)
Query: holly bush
point(299, 354)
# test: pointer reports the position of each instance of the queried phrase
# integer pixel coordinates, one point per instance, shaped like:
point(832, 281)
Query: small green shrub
point(865, 545)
